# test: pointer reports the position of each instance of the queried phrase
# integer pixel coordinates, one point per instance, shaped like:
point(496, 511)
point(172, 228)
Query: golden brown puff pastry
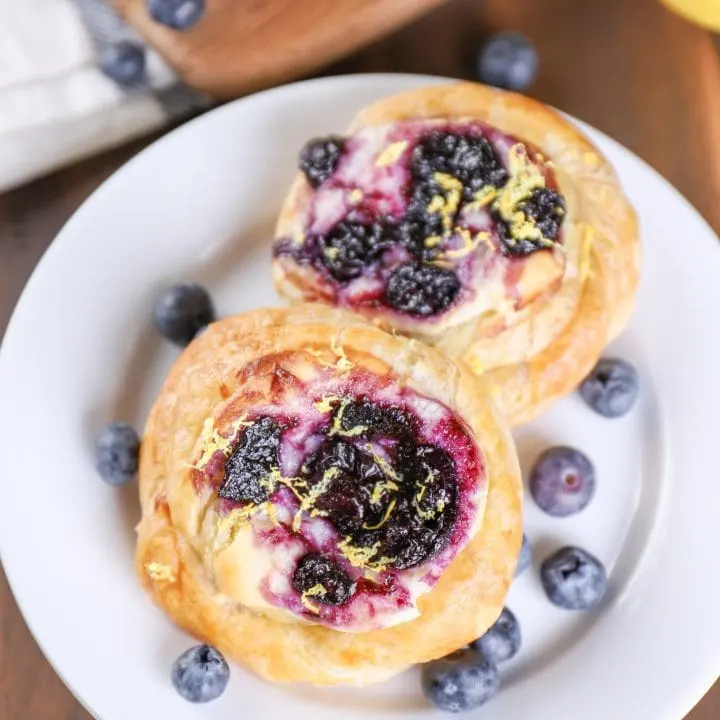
point(477, 220)
point(326, 502)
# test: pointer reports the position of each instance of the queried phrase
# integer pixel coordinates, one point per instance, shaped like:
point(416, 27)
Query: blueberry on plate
point(200, 674)
point(502, 640)
point(573, 579)
point(182, 311)
point(525, 557)
point(460, 682)
point(124, 63)
point(117, 449)
point(176, 14)
point(612, 387)
point(507, 60)
point(562, 481)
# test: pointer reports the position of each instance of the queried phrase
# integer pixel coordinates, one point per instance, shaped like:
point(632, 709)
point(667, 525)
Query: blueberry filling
point(323, 580)
point(418, 224)
point(319, 158)
point(469, 158)
point(391, 499)
point(546, 210)
point(250, 462)
point(333, 454)
point(376, 420)
point(413, 231)
point(421, 289)
point(350, 247)
point(345, 473)
point(425, 508)
point(402, 253)
point(400, 510)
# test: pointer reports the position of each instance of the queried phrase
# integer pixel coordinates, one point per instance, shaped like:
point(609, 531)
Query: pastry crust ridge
point(463, 604)
point(568, 328)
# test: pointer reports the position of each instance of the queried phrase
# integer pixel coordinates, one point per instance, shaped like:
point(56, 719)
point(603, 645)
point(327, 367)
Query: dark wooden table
point(628, 67)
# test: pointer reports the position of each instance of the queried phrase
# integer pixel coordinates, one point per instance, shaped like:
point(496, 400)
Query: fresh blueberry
point(117, 448)
point(200, 674)
point(508, 60)
point(562, 481)
point(611, 388)
point(182, 311)
point(460, 682)
point(177, 14)
point(573, 579)
point(525, 557)
point(502, 640)
point(124, 63)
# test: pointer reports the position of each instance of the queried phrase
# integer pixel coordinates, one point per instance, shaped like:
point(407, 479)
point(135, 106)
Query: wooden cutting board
point(244, 45)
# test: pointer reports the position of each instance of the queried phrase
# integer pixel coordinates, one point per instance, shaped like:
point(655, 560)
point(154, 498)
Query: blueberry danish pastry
point(323, 501)
point(477, 220)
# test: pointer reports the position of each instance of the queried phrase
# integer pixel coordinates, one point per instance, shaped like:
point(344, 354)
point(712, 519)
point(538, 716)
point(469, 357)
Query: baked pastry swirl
point(323, 501)
point(474, 219)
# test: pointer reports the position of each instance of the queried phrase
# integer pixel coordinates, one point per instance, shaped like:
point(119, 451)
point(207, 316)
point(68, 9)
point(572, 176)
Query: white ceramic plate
point(199, 204)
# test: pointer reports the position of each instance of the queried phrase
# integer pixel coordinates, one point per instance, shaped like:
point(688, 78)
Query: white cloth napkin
point(56, 106)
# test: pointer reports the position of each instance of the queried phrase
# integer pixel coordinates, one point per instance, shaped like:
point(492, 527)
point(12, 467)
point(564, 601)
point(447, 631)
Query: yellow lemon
point(701, 12)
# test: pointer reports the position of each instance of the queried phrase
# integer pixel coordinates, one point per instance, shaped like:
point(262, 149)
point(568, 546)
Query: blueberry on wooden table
point(176, 14)
point(507, 60)
point(117, 449)
point(573, 579)
point(182, 311)
point(200, 674)
point(502, 641)
point(562, 481)
point(460, 682)
point(124, 62)
point(612, 387)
